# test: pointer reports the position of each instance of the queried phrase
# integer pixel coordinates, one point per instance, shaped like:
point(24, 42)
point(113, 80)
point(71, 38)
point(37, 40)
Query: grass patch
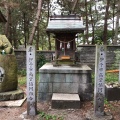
point(22, 79)
point(109, 77)
point(46, 116)
point(112, 77)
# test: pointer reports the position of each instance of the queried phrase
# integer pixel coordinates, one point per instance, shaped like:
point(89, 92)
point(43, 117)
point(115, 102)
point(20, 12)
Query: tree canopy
point(100, 17)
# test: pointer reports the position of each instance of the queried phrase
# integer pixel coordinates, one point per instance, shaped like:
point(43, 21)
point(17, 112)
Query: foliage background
point(99, 16)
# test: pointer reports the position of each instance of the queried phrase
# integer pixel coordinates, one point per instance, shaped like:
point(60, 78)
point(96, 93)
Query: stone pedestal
point(12, 95)
point(111, 93)
point(65, 101)
point(65, 79)
point(8, 72)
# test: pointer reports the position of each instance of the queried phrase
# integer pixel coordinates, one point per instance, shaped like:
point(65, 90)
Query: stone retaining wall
point(86, 55)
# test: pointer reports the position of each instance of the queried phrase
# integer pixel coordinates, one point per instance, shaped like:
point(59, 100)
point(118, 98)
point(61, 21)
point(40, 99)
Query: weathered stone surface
point(65, 79)
point(45, 87)
point(73, 78)
point(5, 46)
point(12, 103)
point(87, 51)
point(49, 68)
point(9, 64)
point(44, 96)
point(58, 78)
point(65, 101)
point(85, 88)
point(44, 77)
point(12, 95)
point(111, 93)
point(86, 96)
point(86, 78)
point(65, 87)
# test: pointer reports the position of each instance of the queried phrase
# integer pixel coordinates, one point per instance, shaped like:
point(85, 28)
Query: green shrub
point(22, 72)
point(109, 77)
point(41, 61)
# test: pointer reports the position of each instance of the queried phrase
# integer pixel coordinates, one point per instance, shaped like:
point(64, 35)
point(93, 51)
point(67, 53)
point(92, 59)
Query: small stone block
point(111, 93)
point(65, 101)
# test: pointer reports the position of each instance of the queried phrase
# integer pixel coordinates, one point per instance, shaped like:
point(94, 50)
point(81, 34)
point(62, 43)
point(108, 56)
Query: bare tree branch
point(36, 22)
point(74, 5)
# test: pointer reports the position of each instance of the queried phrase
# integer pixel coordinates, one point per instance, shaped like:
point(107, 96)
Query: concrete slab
point(12, 103)
point(65, 101)
point(49, 68)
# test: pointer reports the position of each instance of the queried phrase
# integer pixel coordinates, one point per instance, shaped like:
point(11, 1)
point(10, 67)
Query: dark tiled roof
point(65, 23)
point(2, 18)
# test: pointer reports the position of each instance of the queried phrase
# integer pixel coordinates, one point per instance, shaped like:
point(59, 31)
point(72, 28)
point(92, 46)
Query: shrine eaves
point(62, 23)
point(65, 28)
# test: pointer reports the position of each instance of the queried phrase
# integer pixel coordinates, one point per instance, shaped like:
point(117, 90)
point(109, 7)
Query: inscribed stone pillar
point(99, 91)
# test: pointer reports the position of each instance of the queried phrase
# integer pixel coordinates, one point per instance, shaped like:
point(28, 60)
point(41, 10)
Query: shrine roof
point(2, 18)
point(65, 23)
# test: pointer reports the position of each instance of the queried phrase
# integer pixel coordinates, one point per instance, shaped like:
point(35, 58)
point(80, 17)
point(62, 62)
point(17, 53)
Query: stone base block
point(12, 95)
point(111, 93)
point(65, 79)
point(86, 96)
point(65, 101)
point(91, 116)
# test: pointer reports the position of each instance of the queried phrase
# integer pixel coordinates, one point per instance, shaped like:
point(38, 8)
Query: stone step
point(65, 101)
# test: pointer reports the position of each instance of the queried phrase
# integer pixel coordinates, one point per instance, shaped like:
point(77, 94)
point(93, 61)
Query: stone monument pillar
point(8, 71)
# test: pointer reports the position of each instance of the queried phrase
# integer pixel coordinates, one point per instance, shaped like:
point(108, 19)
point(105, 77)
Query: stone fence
point(85, 55)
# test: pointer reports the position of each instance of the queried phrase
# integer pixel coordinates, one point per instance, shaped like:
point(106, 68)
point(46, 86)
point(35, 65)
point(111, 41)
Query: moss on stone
point(5, 45)
point(9, 63)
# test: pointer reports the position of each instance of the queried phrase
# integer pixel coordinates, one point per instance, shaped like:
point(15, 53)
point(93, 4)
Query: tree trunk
point(74, 5)
point(37, 41)
point(86, 10)
point(117, 25)
point(25, 28)
point(14, 36)
point(92, 23)
point(10, 32)
point(105, 23)
point(113, 16)
point(24, 15)
point(8, 20)
point(49, 42)
point(36, 22)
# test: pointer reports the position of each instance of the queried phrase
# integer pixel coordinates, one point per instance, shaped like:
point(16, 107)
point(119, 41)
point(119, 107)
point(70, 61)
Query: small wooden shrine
point(65, 28)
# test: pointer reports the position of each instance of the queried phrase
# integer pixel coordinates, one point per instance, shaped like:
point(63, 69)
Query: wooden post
point(31, 80)
point(99, 90)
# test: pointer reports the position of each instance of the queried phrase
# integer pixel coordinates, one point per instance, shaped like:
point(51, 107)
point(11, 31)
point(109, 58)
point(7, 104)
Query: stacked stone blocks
point(65, 79)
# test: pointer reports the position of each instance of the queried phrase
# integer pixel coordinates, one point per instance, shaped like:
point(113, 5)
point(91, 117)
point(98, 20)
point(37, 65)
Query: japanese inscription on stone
point(99, 90)
point(2, 74)
point(31, 80)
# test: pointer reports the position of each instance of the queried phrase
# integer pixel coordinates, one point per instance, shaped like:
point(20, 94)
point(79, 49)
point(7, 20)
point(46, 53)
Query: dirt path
point(16, 113)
